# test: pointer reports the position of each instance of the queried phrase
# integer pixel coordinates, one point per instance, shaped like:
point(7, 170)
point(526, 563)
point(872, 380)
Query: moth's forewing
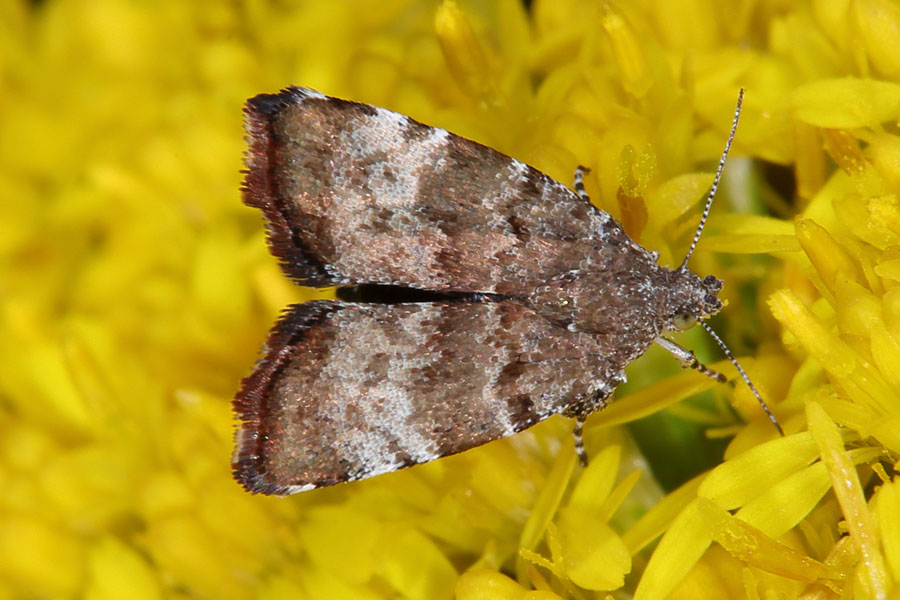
point(357, 194)
point(347, 391)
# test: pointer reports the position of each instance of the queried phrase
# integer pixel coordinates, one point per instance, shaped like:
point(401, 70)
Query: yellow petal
point(628, 53)
point(681, 546)
point(785, 503)
point(463, 52)
point(850, 496)
point(116, 571)
point(342, 541)
point(593, 555)
point(676, 196)
point(39, 558)
point(661, 394)
point(545, 507)
point(415, 566)
point(483, 584)
point(829, 258)
point(846, 103)
point(879, 23)
point(745, 476)
point(656, 520)
point(618, 496)
point(831, 351)
point(757, 549)
point(751, 235)
point(597, 479)
point(888, 511)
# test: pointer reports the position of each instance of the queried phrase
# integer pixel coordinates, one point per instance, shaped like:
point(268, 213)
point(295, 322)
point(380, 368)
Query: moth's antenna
point(715, 185)
point(743, 374)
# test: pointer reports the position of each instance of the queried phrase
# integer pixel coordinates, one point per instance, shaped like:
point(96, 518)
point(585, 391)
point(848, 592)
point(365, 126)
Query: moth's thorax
point(618, 297)
point(644, 297)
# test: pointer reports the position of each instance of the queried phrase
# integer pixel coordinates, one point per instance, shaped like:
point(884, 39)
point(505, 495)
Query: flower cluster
point(135, 290)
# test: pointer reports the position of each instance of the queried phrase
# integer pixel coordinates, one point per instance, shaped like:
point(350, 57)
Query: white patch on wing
point(378, 141)
point(374, 212)
point(489, 395)
point(296, 489)
point(305, 93)
point(387, 407)
point(503, 238)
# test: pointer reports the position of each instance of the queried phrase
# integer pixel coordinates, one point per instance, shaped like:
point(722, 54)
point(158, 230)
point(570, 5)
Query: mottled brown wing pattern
point(500, 296)
point(347, 391)
point(358, 194)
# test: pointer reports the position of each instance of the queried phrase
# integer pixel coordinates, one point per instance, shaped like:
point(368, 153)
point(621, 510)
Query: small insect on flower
point(480, 296)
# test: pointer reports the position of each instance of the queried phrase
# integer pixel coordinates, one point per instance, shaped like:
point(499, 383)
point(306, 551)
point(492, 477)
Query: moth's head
point(690, 299)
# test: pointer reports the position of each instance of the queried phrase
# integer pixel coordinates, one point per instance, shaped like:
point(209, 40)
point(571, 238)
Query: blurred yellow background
point(136, 289)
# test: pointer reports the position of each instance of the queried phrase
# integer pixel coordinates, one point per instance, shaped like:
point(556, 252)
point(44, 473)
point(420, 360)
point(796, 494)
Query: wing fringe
point(250, 402)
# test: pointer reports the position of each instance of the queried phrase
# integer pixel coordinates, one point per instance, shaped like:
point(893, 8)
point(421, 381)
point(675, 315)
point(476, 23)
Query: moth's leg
point(688, 360)
point(580, 411)
point(577, 432)
point(580, 172)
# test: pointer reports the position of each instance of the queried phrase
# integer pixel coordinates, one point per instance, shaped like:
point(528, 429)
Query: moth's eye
point(685, 321)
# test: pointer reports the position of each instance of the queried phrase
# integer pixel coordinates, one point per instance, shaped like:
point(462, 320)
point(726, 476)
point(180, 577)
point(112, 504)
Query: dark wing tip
point(251, 402)
point(246, 472)
point(263, 105)
point(260, 186)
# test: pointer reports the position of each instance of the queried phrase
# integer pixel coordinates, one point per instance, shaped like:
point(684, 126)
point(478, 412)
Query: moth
point(478, 296)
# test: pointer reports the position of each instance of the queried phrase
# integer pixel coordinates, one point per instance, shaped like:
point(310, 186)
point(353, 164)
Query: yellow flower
point(135, 290)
